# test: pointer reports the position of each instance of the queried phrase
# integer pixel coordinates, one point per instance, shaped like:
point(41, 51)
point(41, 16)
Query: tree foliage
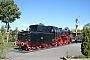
point(41, 24)
point(26, 29)
point(3, 30)
point(9, 12)
point(2, 33)
point(14, 33)
point(67, 28)
point(85, 46)
point(73, 30)
point(2, 41)
point(86, 26)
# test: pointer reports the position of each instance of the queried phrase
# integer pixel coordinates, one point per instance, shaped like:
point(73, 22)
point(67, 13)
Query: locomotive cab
point(40, 34)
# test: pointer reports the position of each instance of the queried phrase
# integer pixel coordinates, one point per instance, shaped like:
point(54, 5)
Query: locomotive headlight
point(41, 37)
point(52, 30)
point(22, 44)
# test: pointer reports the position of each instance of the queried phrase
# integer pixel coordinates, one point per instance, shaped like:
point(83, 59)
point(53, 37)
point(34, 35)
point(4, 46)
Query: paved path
point(46, 54)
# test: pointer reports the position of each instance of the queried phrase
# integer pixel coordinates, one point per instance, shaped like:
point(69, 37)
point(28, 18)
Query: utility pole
point(77, 22)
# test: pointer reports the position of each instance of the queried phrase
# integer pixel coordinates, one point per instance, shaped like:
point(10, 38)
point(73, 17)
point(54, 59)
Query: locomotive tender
point(40, 36)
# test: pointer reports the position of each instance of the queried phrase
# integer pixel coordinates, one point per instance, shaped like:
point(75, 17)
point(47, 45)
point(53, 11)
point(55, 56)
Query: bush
point(81, 56)
point(85, 46)
point(11, 45)
point(68, 56)
point(4, 48)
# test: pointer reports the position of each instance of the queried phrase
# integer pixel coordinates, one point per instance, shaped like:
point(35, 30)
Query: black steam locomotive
point(40, 36)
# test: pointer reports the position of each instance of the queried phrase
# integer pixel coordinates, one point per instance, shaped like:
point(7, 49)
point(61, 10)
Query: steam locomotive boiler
point(40, 36)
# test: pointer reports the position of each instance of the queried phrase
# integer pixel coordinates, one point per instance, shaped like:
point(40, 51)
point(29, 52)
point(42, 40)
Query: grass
point(79, 56)
point(4, 47)
point(9, 45)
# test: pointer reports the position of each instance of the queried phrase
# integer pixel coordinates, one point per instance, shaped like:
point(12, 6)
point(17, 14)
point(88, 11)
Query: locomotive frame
point(40, 36)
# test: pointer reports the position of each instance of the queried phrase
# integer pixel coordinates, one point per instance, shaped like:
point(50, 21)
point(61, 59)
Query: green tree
point(3, 30)
point(41, 24)
point(78, 30)
point(2, 33)
point(26, 29)
point(67, 28)
point(5, 0)
point(73, 30)
point(14, 33)
point(85, 46)
point(86, 26)
point(10, 35)
point(9, 12)
point(2, 41)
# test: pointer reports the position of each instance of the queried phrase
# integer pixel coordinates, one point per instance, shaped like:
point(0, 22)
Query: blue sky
point(60, 13)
